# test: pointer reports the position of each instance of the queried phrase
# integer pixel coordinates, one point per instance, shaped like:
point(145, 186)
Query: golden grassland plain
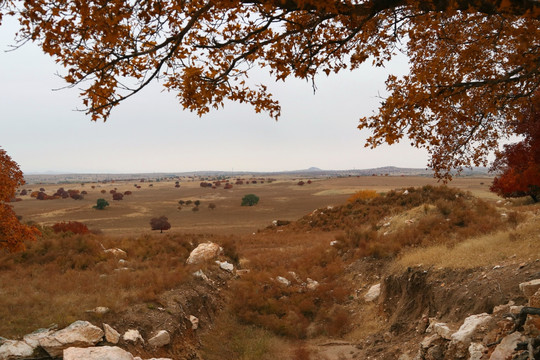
point(282, 199)
point(60, 275)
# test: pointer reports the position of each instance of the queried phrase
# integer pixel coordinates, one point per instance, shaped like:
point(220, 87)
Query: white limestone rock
point(97, 353)
point(15, 349)
point(225, 265)
point(312, 284)
point(116, 252)
point(194, 322)
point(283, 281)
point(470, 325)
point(201, 275)
point(111, 335)
point(476, 351)
point(506, 348)
point(161, 339)
point(373, 293)
point(32, 339)
point(78, 334)
point(440, 329)
point(530, 287)
point(204, 252)
point(133, 335)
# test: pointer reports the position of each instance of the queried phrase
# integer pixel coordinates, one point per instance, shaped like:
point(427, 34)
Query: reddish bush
point(112, 191)
point(84, 192)
point(118, 196)
point(300, 183)
point(24, 192)
point(42, 196)
point(228, 186)
point(309, 181)
point(127, 192)
point(72, 226)
point(103, 191)
point(61, 193)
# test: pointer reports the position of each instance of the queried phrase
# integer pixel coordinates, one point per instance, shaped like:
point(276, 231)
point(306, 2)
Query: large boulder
point(506, 348)
point(14, 349)
point(78, 334)
point(97, 353)
point(32, 339)
point(204, 252)
point(461, 339)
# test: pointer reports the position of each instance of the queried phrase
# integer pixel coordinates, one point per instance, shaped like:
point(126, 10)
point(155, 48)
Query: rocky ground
point(422, 313)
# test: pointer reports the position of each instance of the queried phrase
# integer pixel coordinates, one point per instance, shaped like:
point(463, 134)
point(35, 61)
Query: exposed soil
point(410, 298)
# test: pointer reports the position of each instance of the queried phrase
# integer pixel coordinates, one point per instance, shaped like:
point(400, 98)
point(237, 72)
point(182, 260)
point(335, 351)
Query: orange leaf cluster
point(12, 232)
point(519, 164)
point(472, 62)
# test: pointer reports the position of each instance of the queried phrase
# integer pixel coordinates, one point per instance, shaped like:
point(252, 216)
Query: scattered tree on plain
point(160, 223)
point(518, 164)
point(250, 200)
point(12, 232)
point(197, 203)
point(473, 64)
point(101, 204)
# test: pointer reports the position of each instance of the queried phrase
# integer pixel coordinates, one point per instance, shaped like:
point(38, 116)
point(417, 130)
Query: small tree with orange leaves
point(12, 232)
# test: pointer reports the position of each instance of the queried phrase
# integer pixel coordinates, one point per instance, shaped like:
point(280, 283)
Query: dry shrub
point(362, 195)
point(231, 340)
point(301, 353)
point(260, 299)
point(446, 216)
point(61, 275)
point(71, 226)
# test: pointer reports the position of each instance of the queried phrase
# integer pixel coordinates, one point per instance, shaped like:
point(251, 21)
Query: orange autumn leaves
point(13, 234)
point(473, 63)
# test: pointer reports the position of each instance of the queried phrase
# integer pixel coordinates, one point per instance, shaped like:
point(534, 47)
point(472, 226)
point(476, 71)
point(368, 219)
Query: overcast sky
point(42, 132)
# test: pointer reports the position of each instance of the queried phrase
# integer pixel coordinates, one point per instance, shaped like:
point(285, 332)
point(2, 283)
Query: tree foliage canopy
point(250, 200)
point(519, 164)
point(160, 223)
point(101, 204)
point(473, 63)
point(12, 232)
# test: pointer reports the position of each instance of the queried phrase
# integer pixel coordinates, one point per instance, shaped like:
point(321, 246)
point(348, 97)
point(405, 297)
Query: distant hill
point(53, 177)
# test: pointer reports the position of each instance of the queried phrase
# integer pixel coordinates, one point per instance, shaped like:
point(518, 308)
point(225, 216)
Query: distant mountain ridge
point(55, 177)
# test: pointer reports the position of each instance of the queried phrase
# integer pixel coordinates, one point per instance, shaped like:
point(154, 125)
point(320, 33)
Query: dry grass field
point(282, 199)
point(60, 276)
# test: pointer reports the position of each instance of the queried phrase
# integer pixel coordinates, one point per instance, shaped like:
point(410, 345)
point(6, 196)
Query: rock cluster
point(80, 340)
point(497, 336)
